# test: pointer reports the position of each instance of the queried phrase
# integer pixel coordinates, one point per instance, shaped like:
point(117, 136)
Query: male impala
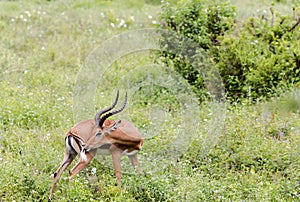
point(86, 137)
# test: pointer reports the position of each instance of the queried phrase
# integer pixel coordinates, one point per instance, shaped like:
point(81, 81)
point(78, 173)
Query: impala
point(100, 135)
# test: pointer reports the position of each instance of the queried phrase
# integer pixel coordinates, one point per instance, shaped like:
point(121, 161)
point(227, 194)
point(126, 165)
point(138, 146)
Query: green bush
point(262, 60)
point(193, 27)
point(255, 58)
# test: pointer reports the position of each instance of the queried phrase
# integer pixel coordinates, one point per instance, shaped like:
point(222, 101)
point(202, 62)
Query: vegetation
point(256, 58)
point(206, 151)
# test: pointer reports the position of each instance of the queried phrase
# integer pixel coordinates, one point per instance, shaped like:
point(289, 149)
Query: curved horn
point(98, 118)
point(103, 118)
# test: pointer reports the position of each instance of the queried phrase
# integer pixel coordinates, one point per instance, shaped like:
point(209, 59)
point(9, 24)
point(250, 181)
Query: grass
point(43, 45)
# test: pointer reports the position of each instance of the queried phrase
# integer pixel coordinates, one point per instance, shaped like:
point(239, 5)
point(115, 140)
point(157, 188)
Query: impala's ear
point(106, 123)
point(116, 125)
point(113, 127)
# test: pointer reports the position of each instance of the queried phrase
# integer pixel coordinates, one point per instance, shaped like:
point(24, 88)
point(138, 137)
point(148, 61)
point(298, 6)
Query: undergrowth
point(43, 44)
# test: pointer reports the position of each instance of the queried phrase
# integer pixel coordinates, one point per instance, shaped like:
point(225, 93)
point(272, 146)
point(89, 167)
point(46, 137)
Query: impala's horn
point(100, 112)
point(104, 117)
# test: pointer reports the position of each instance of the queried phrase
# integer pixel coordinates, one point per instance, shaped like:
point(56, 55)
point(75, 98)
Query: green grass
point(255, 155)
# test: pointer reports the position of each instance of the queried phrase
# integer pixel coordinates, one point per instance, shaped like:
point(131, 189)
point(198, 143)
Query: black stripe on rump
point(70, 143)
point(78, 142)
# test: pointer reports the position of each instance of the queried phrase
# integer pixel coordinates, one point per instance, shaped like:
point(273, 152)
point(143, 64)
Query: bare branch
point(295, 25)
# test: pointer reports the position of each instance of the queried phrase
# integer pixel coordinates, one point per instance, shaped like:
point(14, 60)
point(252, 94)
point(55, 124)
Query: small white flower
point(28, 13)
point(94, 170)
point(60, 98)
point(121, 23)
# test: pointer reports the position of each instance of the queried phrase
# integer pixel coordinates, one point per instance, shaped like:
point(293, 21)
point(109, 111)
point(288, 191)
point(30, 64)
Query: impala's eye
point(98, 134)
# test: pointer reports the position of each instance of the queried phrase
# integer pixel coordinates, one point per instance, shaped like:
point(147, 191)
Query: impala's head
point(100, 139)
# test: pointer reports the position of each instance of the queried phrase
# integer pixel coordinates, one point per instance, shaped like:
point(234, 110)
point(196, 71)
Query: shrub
point(262, 60)
point(256, 58)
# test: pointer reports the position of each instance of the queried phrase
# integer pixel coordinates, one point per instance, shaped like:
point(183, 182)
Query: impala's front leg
point(84, 159)
point(116, 158)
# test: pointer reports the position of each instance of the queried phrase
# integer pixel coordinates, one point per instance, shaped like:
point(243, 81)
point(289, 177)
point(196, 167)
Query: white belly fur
point(125, 152)
point(107, 152)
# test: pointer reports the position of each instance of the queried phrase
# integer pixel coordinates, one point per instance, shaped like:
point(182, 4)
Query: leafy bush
point(262, 60)
point(193, 26)
point(255, 58)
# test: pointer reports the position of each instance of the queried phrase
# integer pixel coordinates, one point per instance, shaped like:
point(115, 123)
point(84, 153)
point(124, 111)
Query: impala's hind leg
point(72, 149)
point(69, 156)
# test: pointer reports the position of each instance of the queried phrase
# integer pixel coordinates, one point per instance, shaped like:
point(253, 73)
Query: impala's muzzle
point(85, 149)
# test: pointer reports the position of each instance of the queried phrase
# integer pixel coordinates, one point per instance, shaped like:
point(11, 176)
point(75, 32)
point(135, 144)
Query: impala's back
point(120, 133)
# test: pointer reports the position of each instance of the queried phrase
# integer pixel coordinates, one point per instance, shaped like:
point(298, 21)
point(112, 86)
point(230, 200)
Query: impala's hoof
point(70, 185)
point(50, 197)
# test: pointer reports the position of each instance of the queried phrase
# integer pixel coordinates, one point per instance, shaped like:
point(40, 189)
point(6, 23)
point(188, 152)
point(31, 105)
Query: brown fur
point(124, 138)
